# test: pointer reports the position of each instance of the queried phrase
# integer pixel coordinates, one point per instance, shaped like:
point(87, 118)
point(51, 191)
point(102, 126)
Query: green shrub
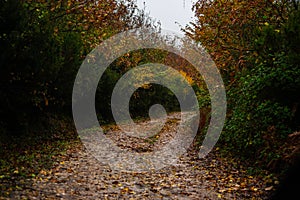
point(264, 101)
point(38, 64)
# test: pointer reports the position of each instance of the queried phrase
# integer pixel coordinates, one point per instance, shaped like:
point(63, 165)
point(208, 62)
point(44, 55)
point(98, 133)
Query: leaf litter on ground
point(64, 169)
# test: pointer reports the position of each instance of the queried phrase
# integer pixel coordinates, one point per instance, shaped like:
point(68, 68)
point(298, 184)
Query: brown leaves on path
point(78, 175)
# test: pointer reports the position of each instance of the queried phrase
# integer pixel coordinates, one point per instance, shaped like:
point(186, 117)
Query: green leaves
point(42, 44)
point(265, 95)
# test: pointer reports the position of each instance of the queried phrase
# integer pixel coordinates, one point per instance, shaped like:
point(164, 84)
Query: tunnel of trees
point(255, 45)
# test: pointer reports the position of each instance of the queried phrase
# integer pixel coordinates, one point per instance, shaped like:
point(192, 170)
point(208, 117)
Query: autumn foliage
point(226, 29)
point(254, 46)
point(42, 45)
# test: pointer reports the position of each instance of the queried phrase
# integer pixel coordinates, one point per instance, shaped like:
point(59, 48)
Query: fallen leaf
point(269, 188)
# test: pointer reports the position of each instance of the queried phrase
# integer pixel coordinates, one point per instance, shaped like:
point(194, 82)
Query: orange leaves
point(90, 17)
point(187, 78)
point(225, 28)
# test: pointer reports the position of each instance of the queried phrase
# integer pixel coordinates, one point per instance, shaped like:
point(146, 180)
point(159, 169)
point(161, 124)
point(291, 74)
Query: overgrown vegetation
point(43, 44)
point(255, 45)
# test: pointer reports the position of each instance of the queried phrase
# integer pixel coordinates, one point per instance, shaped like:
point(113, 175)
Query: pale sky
point(169, 11)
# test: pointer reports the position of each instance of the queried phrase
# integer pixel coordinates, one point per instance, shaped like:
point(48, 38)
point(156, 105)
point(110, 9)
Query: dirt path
point(78, 175)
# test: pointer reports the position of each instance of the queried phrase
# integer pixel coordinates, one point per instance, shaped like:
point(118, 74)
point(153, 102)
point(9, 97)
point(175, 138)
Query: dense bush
point(255, 45)
point(33, 57)
point(42, 44)
point(42, 47)
point(265, 100)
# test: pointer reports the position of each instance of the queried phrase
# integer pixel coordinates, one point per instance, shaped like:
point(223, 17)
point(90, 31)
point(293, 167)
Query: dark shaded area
point(290, 184)
point(38, 66)
point(156, 94)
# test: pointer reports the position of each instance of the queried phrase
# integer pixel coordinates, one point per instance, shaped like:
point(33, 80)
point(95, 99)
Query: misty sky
point(169, 11)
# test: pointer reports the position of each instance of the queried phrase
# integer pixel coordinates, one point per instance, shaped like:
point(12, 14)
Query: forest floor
point(69, 171)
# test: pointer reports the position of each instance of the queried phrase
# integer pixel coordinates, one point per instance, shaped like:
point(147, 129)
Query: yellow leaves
point(248, 117)
point(46, 101)
point(222, 190)
point(45, 172)
point(69, 3)
point(146, 86)
point(126, 190)
point(243, 184)
point(55, 30)
point(187, 78)
point(254, 189)
point(18, 187)
point(223, 25)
